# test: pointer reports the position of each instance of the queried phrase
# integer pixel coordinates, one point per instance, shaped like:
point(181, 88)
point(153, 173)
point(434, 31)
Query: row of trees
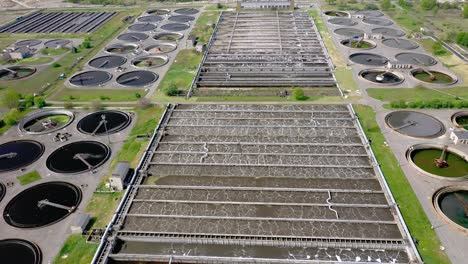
point(18, 104)
point(434, 103)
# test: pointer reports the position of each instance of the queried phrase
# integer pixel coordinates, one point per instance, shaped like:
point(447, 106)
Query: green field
point(34, 61)
point(103, 95)
point(75, 250)
point(204, 26)
point(419, 93)
point(415, 217)
point(424, 159)
point(53, 52)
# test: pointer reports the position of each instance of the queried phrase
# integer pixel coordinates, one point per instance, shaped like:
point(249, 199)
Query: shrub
point(11, 99)
point(438, 49)
point(39, 102)
point(28, 101)
point(298, 94)
point(12, 117)
point(138, 95)
point(171, 90)
point(56, 65)
point(398, 104)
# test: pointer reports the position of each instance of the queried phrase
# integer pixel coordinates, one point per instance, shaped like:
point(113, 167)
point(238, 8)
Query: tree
point(298, 94)
point(11, 99)
point(171, 90)
point(385, 4)
point(428, 4)
point(39, 102)
point(12, 117)
point(28, 101)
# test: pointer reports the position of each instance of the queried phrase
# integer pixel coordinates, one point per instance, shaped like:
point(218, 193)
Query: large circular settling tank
point(358, 44)
point(19, 251)
point(400, 43)
point(46, 121)
point(416, 59)
point(56, 43)
point(174, 27)
point(451, 203)
point(368, 59)
point(336, 13)
point(137, 78)
point(150, 19)
point(439, 160)
point(122, 48)
point(2, 191)
point(168, 36)
point(378, 76)
point(78, 157)
point(107, 62)
point(388, 32)
point(349, 32)
point(28, 43)
point(90, 78)
point(342, 21)
point(181, 18)
point(19, 153)
point(142, 27)
point(161, 48)
point(433, 77)
point(377, 21)
point(460, 119)
point(158, 11)
point(150, 61)
point(16, 73)
point(186, 11)
point(369, 13)
point(43, 204)
point(133, 37)
point(104, 123)
point(415, 124)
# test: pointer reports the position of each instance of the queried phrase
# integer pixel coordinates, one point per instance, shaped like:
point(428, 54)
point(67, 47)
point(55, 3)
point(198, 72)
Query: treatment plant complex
point(233, 131)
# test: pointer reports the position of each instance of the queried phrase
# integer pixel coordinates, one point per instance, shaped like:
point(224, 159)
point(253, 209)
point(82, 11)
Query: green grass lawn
point(419, 93)
point(76, 250)
point(104, 95)
point(34, 61)
point(29, 177)
point(53, 52)
point(415, 218)
point(457, 166)
point(204, 26)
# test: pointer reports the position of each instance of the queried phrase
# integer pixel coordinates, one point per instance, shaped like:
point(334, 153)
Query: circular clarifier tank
point(150, 19)
point(358, 44)
point(168, 36)
point(45, 121)
point(133, 37)
point(150, 61)
point(19, 251)
point(28, 43)
point(415, 124)
point(450, 203)
point(349, 32)
point(123, 48)
point(369, 13)
point(142, 27)
point(2, 191)
point(335, 13)
point(433, 77)
point(383, 77)
point(342, 21)
point(19, 154)
point(16, 73)
point(42, 205)
point(181, 18)
point(439, 161)
point(161, 48)
point(186, 11)
point(90, 78)
point(104, 123)
point(137, 78)
point(57, 43)
point(158, 11)
point(415, 59)
point(368, 59)
point(377, 21)
point(388, 32)
point(400, 43)
point(78, 157)
point(175, 27)
point(107, 62)
point(460, 119)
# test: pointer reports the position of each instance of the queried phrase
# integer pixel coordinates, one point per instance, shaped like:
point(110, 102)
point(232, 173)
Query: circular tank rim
point(441, 133)
point(453, 76)
point(138, 87)
point(34, 69)
point(138, 20)
point(76, 188)
point(371, 17)
point(109, 55)
point(173, 45)
point(109, 75)
point(400, 34)
point(131, 33)
point(435, 204)
point(398, 74)
point(87, 170)
point(123, 44)
point(338, 11)
point(172, 30)
point(406, 52)
point(3, 188)
point(32, 245)
point(142, 23)
point(78, 127)
point(181, 36)
point(162, 56)
point(42, 149)
point(456, 115)
point(385, 39)
point(347, 28)
point(367, 53)
point(423, 146)
point(152, 11)
point(353, 23)
point(36, 41)
point(51, 40)
point(35, 115)
point(374, 45)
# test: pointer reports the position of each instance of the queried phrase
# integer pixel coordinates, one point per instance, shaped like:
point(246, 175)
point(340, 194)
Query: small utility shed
point(459, 136)
point(79, 223)
point(117, 179)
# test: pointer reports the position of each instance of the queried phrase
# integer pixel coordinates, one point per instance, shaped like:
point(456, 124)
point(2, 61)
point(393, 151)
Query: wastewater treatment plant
point(292, 132)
